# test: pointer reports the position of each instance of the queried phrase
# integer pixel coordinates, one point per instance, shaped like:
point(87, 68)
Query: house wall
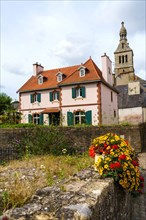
point(89, 103)
point(30, 108)
point(131, 115)
point(92, 108)
point(90, 97)
point(108, 107)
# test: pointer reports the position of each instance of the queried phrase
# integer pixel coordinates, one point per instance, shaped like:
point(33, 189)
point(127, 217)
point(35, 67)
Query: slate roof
point(131, 101)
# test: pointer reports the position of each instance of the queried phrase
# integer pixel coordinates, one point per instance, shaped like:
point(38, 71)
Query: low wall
point(77, 136)
point(85, 196)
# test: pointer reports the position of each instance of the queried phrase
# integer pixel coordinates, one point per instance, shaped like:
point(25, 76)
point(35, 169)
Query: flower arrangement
point(118, 160)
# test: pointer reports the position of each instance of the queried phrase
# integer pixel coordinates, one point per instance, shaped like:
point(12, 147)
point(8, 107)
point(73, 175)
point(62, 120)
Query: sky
point(64, 33)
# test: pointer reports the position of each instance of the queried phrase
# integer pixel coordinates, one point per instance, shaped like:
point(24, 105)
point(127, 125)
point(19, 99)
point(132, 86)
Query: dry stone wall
point(85, 196)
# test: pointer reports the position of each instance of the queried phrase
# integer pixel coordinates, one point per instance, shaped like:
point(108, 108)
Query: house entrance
point(54, 118)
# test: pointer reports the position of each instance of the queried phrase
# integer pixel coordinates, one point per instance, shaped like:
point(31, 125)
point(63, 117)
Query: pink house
point(79, 94)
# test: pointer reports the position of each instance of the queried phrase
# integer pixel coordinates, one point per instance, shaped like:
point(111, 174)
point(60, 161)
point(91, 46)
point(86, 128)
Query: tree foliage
point(5, 103)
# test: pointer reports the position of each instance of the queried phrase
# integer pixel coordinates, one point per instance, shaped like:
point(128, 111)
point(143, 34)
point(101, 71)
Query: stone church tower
point(124, 69)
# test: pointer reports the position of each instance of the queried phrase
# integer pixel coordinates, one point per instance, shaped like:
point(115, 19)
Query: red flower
point(135, 163)
point(115, 147)
point(122, 157)
point(115, 165)
point(91, 151)
point(141, 178)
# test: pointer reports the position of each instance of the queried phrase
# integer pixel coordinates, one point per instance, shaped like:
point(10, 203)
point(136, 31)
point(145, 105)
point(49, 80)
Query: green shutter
point(29, 118)
point(70, 118)
point(41, 119)
point(89, 117)
point(51, 96)
point(73, 93)
point(83, 92)
point(58, 95)
point(31, 98)
point(39, 97)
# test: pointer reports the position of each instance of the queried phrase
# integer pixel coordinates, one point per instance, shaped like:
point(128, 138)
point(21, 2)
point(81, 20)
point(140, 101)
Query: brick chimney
point(37, 68)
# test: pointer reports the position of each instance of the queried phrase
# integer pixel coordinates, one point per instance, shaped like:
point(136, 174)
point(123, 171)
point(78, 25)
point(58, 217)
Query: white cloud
point(61, 33)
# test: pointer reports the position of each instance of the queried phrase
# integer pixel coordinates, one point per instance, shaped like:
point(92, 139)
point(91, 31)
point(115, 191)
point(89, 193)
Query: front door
point(54, 118)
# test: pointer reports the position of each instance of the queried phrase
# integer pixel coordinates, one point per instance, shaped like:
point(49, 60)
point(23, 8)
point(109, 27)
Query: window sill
point(79, 98)
point(55, 101)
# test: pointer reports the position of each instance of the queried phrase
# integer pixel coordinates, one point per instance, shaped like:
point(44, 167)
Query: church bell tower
point(124, 69)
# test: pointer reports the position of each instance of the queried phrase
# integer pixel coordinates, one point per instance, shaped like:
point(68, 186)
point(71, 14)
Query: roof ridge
point(61, 68)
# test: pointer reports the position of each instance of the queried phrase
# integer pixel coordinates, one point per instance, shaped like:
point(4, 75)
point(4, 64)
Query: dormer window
point(82, 71)
point(40, 79)
point(59, 77)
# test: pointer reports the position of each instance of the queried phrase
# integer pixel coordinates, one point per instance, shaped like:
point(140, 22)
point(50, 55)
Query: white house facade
point(80, 94)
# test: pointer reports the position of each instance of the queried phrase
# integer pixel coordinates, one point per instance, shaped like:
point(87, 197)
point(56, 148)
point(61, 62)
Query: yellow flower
point(106, 166)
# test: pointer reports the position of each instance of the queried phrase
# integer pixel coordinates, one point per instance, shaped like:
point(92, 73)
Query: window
point(82, 72)
point(36, 97)
point(59, 77)
point(119, 59)
point(109, 70)
point(54, 96)
point(122, 45)
point(79, 118)
point(40, 80)
point(111, 96)
point(36, 119)
point(78, 92)
point(123, 59)
point(115, 114)
point(126, 58)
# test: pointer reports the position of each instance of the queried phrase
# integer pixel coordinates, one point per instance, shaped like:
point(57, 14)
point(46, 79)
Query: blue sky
point(63, 33)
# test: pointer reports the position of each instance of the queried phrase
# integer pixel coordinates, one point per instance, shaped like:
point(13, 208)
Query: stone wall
point(85, 196)
point(81, 136)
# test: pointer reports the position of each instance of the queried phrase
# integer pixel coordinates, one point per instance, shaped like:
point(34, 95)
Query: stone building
point(132, 89)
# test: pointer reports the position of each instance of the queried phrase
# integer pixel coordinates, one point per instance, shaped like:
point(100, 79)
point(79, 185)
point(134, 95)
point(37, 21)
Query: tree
point(5, 103)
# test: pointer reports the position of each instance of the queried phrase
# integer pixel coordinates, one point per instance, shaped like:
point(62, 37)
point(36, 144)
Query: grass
point(20, 179)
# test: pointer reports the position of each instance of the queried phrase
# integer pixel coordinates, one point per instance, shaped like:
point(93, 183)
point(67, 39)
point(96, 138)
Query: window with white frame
point(36, 119)
point(40, 80)
point(79, 117)
point(59, 77)
point(82, 72)
point(78, 92)
point(55, 95)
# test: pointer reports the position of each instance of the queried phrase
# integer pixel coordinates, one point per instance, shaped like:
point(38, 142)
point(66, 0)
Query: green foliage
point(43, 140)
point(8, 114)
point(5, 103)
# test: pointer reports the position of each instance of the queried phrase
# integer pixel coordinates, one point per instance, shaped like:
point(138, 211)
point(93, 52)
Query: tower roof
point(123, 32)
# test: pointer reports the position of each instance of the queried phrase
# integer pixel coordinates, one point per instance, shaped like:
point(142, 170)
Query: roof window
point(82, 71)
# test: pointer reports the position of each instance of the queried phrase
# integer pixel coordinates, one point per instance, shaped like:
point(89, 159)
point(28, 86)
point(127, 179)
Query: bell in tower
point(124, 69)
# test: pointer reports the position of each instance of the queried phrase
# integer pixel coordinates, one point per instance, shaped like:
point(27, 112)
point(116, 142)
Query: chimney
point(37, 68)
point(107, 69)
